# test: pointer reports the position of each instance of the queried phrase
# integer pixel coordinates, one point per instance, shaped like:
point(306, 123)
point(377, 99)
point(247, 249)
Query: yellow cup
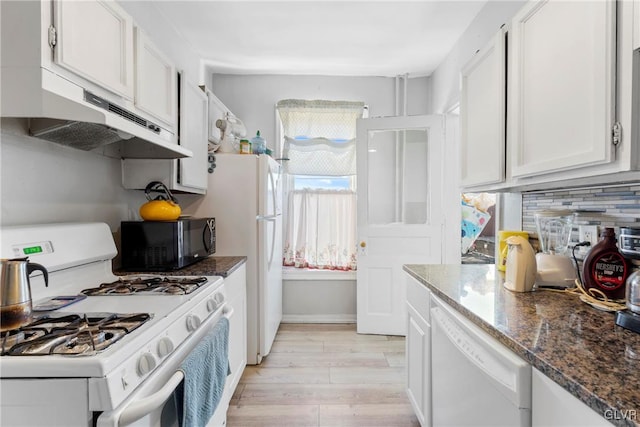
point(503, 235)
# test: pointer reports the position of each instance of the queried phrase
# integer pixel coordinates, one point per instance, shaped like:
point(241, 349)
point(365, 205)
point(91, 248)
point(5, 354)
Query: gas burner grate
point(167, 285)
point(79, 335)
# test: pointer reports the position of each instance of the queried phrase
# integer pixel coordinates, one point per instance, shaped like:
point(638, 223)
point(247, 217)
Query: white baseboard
point(319, 318)
point(302, 274)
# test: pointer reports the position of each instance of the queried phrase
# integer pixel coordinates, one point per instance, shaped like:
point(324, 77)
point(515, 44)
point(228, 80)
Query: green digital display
point(32, 250)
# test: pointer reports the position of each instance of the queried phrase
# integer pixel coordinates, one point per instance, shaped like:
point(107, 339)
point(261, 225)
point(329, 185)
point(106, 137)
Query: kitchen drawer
point(418, 297)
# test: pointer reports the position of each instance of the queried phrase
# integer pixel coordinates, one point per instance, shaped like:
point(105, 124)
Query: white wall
point(319, 301)
point(45, 182)
point(253, 97)
point(445, 80)
point(445, 95)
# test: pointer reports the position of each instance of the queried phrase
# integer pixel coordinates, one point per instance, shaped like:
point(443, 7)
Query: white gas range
point(70, 379)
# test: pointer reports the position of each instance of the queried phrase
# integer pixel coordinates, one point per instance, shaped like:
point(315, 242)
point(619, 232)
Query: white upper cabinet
point(193, 135)
point(95, 41)
point(482, 115)
point(217, 110)
point(561, 86)
point(186, 175)
point(155, 77)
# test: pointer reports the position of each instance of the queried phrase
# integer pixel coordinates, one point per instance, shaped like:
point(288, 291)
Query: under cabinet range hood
point(65, 104)
point(86, 135)
point(63, 112)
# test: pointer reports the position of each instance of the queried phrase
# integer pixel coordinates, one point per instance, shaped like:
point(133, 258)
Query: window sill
point(291, 273)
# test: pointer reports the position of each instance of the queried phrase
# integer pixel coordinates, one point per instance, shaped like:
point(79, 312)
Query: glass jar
point(258, 144)
point(632, 293)
point(245, 146)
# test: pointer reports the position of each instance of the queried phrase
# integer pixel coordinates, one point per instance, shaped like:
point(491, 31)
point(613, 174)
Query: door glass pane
point(397, 177)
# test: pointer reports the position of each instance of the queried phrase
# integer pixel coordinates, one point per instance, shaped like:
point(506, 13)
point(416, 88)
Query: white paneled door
point(400, 217)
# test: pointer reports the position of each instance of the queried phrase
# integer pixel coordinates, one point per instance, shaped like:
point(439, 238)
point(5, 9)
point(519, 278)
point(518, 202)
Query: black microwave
point(166, 245)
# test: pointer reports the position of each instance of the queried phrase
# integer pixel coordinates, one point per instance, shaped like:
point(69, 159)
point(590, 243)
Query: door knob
point(363, 244)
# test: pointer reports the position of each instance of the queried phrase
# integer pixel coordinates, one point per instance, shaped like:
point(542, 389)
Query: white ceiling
point(349, 38)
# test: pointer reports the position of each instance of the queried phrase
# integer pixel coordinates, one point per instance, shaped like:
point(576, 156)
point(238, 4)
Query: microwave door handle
point(211, 226)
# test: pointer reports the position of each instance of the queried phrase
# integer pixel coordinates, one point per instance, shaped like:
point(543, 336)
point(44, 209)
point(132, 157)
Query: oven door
point(152, 403)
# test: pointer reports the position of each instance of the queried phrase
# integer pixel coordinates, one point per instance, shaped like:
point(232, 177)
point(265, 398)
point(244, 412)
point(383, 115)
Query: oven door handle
point(138, 409)
point(227, 312)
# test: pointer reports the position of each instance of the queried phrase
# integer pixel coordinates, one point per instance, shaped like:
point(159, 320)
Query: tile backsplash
point(615, 206)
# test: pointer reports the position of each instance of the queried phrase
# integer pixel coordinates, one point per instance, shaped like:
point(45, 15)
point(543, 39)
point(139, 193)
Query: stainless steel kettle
point(15, 292)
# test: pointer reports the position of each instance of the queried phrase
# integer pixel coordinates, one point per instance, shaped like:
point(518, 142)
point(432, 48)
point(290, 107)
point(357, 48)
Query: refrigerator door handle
point(270, 218)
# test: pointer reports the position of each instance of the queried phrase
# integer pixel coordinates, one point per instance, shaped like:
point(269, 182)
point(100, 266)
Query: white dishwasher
point(476, 381)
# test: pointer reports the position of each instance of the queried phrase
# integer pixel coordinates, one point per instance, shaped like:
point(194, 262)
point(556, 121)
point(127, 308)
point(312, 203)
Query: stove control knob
point(146, 364)
point(165, 347)
point(193, 322)
point(219, 298)
point(211, 305)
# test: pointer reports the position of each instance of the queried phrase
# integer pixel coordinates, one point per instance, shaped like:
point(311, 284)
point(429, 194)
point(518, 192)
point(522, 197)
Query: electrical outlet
point(588, 233)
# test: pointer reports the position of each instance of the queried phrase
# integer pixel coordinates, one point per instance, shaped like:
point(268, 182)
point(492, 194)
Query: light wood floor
point(325, 375)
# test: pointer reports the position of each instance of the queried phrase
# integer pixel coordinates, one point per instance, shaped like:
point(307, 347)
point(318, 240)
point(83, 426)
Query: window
point(320, 224)
point(300, 182)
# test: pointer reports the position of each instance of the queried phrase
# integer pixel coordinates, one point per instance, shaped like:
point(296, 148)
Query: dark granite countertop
point(577, 346)
point(210, 266)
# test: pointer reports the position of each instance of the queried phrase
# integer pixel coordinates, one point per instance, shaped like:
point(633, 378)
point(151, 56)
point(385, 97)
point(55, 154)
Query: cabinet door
point(193, 135)
point(217, 110)
point(95, 41)
point(561, 90)
point(419, 365)
point(236, 287)
point(482, 115)
point(418, 350)
point(156, 87)
point(551, 405)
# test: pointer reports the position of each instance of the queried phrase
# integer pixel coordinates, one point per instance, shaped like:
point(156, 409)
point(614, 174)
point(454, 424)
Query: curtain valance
point(320, 136)
point(335, 120)
point(320, 156)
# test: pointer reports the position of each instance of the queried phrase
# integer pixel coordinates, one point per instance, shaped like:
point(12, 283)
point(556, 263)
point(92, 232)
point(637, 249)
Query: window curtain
point(321, 232)
point(319, 140)
point(320, 157)
point(334, 120)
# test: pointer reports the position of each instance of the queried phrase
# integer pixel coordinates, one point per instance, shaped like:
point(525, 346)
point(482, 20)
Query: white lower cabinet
point(554, 406)
point(418, 351)
point(236, 289)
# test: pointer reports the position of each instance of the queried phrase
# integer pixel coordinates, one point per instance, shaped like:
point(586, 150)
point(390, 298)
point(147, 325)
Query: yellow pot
point(160, 210)
point(165, 207)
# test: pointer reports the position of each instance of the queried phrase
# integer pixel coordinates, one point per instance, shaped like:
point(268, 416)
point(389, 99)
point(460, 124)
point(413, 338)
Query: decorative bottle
point(258, 144)
point(605, 268)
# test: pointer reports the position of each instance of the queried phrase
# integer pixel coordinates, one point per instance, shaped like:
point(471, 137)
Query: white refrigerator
point(245, 197)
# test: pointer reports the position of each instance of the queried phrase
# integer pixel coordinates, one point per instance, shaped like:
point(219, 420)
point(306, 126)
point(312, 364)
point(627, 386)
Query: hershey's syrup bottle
point(605, 268)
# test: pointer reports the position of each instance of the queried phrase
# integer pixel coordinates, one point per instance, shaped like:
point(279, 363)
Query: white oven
point(132, 380)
